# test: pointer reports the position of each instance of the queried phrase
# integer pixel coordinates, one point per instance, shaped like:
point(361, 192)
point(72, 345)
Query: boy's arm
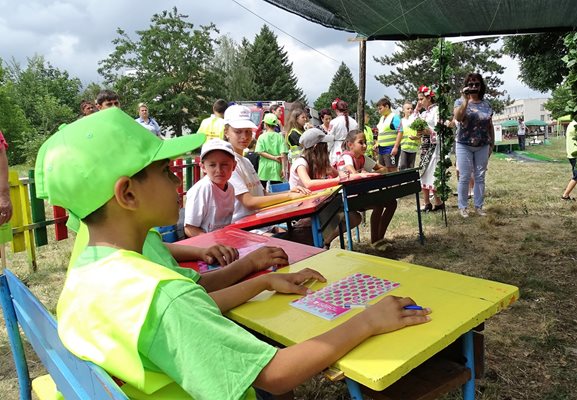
point(255, 261)
point(269, 156)
point(191, 230)
point(240, 293)
point(294, 365)
point(220, 254)
point(398, 140)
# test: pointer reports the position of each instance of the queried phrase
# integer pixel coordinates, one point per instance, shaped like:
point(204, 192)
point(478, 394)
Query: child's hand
point(295, 282)
point(300, 189)
point(265, 257)
point(389, 315)
point(224, 255)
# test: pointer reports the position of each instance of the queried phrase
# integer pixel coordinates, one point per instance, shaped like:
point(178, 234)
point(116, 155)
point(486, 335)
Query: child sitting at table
point(313, 170)
point(210, 201)
point(273, 151)
point(156, 331)
point(354, 162)
point(249, 193)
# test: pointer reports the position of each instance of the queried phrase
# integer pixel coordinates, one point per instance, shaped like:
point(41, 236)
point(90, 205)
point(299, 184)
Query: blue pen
point(413, 307)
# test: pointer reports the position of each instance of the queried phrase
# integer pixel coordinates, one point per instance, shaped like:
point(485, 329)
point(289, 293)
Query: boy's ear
point(234, 165)
point(125, 194)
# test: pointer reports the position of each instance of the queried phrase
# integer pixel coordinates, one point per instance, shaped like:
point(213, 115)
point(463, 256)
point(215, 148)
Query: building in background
point(529, 109)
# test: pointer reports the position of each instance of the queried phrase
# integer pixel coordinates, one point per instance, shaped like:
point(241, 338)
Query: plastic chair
point(74, 378)
point(279, 187)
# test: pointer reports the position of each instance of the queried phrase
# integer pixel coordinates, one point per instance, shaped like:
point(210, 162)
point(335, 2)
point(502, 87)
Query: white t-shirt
point(209, 207)
point(338, 129)
point(521, 130)
point(244, 179)
point(347, 159)
point(294, 179)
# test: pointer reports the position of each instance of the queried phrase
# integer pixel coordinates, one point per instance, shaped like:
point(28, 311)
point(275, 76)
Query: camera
point(469, 90)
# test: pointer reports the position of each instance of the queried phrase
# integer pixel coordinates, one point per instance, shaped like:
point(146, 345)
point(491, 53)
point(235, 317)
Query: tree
point(342, 86)
point(47, 98)
point(557, 104)
point(236, 71)
point(272, 72)
point(413, 66)
point(540, 57)
point(169, 66)
point(13, 122)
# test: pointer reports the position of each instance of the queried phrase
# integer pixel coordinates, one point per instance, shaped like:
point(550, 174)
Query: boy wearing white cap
point(210, 201)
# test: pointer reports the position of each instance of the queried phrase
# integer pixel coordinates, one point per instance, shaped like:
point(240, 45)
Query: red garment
point(3, 141)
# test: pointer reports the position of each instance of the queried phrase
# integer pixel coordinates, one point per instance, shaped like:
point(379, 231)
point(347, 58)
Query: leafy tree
point(342, 86)
point(413, 66)
point(169, 66)
point(540, 59)
point(557, 104)
point(238, 78)
point(47, 98)
point(272, 72)
point(13, 122)
point(90, 92)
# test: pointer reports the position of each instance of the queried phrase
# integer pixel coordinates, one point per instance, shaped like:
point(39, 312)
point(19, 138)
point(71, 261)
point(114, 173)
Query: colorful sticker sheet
point(204, 267)
point(338, 297)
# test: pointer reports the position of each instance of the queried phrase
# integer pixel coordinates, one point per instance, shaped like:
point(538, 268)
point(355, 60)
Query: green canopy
point(511, 123)
point(564, 118)
point(535, 122)
point(412, 19)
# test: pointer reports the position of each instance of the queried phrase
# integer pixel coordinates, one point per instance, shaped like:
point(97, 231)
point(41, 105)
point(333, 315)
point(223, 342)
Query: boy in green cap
point(273, 152)
point(157, 331)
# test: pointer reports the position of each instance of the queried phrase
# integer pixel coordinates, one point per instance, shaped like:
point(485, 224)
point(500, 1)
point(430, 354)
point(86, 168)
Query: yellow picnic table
point(459, 303)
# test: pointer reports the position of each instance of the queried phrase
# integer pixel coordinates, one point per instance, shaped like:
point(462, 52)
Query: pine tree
point(273, 73)
point(413, 66)
point(233, 60)
point(342, 86)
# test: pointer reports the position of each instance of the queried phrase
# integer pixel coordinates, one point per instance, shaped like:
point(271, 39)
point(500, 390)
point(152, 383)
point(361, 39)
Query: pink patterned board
point(243, 251)
point(336, 298)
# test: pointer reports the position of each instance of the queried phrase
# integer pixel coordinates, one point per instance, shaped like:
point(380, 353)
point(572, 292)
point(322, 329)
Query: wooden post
point(60, 218)
point(362, 83)
point(38, 214)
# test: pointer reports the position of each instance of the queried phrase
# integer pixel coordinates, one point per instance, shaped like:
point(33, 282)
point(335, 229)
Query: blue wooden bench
point(72, 377)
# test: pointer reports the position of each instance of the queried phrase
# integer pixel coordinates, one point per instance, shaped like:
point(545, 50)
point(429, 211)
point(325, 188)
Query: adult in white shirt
point(339, 128)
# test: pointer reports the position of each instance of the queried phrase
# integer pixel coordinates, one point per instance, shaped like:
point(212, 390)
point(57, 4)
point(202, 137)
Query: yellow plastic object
point(459, 303)
point(313, 195)
point(45, 389)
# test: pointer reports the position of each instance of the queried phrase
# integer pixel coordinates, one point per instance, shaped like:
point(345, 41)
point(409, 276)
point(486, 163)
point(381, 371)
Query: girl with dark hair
point(474, 141)
point(339, 128)
point(429, 149)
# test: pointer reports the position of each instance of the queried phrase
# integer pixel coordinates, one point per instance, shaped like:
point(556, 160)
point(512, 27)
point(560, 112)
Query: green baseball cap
point(77, 167)
point(270, 119)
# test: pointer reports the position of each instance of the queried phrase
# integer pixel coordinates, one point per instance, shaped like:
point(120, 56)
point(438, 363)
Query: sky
point(74, 35)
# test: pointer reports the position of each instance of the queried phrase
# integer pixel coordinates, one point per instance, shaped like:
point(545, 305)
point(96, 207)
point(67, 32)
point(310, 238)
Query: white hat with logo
point(238, 117)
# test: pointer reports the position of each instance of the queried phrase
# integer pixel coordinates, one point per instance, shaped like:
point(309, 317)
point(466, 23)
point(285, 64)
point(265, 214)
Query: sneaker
point(464, 213)
point(480, 212)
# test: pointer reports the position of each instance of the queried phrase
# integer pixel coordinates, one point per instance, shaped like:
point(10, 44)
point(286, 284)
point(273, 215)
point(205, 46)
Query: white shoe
point(480, 212)
point(464, 213)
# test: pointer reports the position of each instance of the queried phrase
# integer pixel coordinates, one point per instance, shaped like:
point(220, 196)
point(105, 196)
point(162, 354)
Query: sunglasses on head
point(474, 84)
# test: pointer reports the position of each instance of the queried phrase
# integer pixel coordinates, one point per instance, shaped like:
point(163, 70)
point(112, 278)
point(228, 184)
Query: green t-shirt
point(571, 145)
point(274, 144)
point(186, 337)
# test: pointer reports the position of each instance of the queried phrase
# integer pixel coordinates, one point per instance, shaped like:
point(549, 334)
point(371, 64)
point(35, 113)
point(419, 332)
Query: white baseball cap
point(216, 144)
point(238, 117)
point(312, 136)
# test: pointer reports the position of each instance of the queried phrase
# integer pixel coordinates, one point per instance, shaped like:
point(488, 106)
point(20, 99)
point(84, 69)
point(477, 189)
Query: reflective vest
point(387, 135)
point(370, 141)
point(409, 145)
point(212, 127)
point(294, 151)
point(107, 329)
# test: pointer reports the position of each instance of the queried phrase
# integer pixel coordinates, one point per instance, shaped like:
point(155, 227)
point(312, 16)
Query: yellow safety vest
point(212, 127)
point(387, 136)
point(370, 141)
point(113, 312)
point(294, 151)
point(407, 144)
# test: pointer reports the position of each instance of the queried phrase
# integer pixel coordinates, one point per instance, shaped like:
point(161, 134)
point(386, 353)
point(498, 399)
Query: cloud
point(75, 35)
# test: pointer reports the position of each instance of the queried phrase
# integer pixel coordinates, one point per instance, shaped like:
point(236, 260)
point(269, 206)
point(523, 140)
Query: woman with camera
point(474, 141)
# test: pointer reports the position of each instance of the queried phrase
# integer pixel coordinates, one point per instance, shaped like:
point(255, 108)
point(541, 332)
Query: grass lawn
point(527, 240)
